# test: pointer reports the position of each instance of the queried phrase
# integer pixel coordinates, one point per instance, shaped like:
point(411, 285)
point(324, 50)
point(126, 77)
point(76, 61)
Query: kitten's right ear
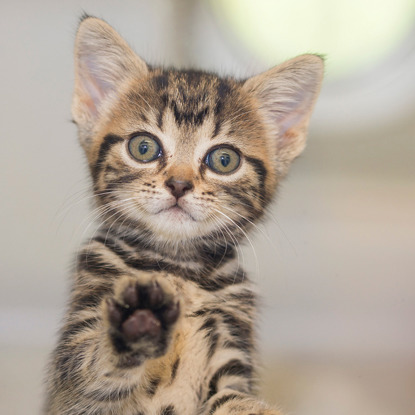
point(103, 62)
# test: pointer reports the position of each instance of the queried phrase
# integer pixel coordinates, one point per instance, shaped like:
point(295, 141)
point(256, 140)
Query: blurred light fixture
point(353, 34)
point(369, 47)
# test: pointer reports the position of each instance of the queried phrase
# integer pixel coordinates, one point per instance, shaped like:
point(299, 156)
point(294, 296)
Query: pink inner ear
point(93, 87)
point(286, 96)
point(293, 119)
point(91, 96)
point(289, 110)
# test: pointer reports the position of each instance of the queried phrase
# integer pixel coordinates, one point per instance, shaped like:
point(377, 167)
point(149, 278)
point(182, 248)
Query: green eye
point(223, 160)
point(144, 148)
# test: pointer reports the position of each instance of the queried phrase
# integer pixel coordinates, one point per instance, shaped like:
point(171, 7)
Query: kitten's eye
point(144, 148)
point(223, 160)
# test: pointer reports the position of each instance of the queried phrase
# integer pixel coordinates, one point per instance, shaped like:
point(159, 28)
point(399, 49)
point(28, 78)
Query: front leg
point(111, 332)
point(140, 318)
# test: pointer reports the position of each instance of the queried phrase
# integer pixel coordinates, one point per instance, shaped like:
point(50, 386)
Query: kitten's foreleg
point(103, 351)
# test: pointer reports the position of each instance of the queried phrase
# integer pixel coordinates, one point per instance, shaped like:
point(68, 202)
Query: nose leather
point(178, 187)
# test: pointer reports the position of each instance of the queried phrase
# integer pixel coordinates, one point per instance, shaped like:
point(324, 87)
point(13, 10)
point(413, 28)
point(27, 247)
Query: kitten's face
point(185, 155)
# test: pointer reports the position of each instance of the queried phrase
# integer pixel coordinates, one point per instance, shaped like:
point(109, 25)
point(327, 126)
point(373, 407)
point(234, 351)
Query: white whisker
point(246, 236)
point(236, 243)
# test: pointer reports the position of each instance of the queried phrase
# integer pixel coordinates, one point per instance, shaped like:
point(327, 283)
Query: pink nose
point(178, 187)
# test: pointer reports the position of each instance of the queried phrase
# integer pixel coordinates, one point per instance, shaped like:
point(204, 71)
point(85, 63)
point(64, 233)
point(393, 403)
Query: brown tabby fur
point(161, 318)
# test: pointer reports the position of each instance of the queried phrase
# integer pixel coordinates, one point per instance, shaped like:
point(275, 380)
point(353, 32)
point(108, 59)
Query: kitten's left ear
point(286, 95)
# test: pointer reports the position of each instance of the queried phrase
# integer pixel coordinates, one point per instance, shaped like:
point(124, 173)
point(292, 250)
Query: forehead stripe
point(188, 116)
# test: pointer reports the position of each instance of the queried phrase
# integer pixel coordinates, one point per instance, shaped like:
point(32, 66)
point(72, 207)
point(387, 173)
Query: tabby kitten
point(161, 317)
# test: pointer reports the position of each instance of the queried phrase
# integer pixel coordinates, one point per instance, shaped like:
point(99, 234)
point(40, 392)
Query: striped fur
point(161, 318)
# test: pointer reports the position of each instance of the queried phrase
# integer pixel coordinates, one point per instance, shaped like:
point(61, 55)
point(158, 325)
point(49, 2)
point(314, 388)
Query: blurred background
point(335, 261)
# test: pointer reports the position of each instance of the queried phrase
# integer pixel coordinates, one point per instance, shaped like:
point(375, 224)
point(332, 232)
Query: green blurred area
point(352, 34)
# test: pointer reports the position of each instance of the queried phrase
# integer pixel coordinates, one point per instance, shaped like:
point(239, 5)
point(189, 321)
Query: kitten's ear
point(103, 61)
point(286, 95)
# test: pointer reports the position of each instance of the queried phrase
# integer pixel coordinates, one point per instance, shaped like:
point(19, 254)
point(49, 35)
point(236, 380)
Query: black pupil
point(225, 159)
point(143, 147)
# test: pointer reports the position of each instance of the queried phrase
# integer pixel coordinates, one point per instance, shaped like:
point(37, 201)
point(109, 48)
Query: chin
point(178, 225)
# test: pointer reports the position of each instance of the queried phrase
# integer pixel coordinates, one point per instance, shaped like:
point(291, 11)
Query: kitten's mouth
point(177, 213)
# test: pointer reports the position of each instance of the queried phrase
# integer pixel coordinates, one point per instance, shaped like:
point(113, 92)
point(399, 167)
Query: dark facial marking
point(239, 195)
point(260, 170)
point(223, 90)
point(164, 101)
point(200, 116)
point(109, 141)
point(111, 169)
point(218, 125)
point(128, 178)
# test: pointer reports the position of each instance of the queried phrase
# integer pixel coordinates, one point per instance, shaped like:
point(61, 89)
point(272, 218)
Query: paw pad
point(142, 311)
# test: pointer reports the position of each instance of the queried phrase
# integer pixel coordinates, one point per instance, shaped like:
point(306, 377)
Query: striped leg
point(103, 349)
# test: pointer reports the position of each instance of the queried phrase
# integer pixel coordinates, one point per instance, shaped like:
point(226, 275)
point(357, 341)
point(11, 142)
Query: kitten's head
point(186, 155)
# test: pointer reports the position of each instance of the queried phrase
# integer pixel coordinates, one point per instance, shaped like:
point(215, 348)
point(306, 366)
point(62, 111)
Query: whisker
point(269, 215)
point(239, 251)
point(100, 211)
point(118, 213)
point(276, 221)
point(255, 226)
point(125, 208)
point(246, 219)
point(247, 237)
point(236, 245)
point(93, 217)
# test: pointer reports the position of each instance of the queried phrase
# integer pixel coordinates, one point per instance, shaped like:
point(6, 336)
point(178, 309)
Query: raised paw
point(141, 316)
